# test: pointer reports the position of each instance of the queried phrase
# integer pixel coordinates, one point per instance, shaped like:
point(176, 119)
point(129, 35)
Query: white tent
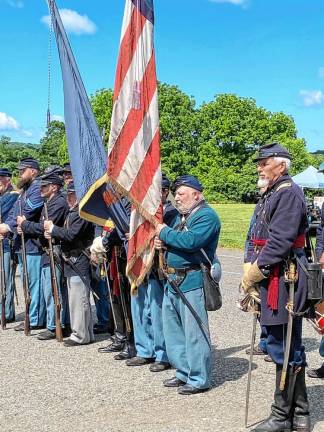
point(310, 178)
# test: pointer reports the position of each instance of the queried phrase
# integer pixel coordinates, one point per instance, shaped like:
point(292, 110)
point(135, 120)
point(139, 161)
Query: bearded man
point(29, 204)
point(196, 228)
point(277, 262)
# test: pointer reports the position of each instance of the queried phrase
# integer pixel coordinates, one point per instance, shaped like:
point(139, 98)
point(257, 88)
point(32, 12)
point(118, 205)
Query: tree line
point(216, 141)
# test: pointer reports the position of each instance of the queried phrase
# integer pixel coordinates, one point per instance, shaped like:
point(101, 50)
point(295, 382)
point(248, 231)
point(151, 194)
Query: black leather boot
point(127, 353)
point(280, 418)
point(301, 417)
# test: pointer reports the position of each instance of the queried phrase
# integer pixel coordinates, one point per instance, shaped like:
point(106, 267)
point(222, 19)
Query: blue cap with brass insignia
point(67, 168)
point(4, 172)
point(272, 150)
point(28, 162)
point(187, 180)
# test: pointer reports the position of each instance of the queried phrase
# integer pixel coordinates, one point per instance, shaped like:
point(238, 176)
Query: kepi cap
point(4, 172)
point(51, 178)
point(165, 182)
point(189, 181)
point(28, 162)
point(67, 168)
point(272, 150)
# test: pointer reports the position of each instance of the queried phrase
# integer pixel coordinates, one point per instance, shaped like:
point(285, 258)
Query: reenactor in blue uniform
point(30, 203)
point(276, 265)
point(8, 197)
point(197, 228)
point(74, 237)
point(50, 186)
point(319, 373)
point(111, 245)
point(147, 307)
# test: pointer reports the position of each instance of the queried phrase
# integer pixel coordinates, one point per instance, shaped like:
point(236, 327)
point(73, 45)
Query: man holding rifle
point(74, 237)
point(8, 196)
point(29, 204)
point(50, 186)
point(277, 280)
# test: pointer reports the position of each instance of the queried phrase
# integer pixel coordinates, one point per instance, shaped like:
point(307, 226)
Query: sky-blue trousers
point(187, 348)
point(147, 321)
point(102, 305)
point(37, 310)
point(321, 349)
point(46, 284)
point(276, 343)
point(10, 304)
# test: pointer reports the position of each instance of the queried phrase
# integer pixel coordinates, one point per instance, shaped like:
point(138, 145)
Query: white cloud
point(27, 133)
point(73, 22)
point(15, 3)
point(321, 72)
point(234, 2)
point(57, 117)
point(7, 122)
point(312, 97)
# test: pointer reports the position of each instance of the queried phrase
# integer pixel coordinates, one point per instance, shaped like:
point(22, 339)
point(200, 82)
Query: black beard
point(23, 184)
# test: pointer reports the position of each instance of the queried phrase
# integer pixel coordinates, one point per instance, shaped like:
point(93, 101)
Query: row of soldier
point(93, 258)
point(164, 329)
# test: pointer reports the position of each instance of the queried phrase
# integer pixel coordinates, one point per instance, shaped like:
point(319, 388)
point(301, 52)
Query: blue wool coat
point(320, 236)
point(31, 204)
point(7, 200)
point(183, 247)
point(280, 217)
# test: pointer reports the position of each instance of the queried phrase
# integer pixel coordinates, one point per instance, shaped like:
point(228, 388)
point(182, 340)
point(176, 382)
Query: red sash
point(273, 285)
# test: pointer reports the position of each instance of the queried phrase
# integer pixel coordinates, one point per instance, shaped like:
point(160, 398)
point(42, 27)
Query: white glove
point(97, 246)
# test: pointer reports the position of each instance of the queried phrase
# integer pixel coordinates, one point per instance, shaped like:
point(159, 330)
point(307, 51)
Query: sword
point(110, 294)
point(248, 386)
point(290, 308)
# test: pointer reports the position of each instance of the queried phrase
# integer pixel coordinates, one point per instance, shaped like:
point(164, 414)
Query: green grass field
point(235, 219)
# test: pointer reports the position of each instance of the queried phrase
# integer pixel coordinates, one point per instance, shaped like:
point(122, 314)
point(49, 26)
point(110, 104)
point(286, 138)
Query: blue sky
point(271, 50)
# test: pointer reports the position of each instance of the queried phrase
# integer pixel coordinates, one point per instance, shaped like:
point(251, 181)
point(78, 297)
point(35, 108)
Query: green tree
point(178, 130)
point(230, 130)
point(102, 105)
point(50, 144)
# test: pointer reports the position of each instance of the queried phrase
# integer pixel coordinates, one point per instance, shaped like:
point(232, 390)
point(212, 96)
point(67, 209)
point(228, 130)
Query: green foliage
point(179, 149)
point(102, 105)
point(12, 153)
point(216, 142)
point(50, 144)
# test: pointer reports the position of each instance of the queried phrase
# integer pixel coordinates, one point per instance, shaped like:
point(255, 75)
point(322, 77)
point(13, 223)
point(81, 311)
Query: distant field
point(235, 220)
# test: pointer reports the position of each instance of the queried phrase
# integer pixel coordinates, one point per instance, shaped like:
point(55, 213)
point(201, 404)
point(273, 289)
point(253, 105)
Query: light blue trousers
point(10, 305)
point(49, 299)
point(187, 348)
point(321, 349)
point(37, 310)
point(147, 321)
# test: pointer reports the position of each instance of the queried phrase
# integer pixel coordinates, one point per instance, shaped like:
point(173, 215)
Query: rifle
point(123, 299)
point(2, 281)
point(58, 327)
point(25, 279)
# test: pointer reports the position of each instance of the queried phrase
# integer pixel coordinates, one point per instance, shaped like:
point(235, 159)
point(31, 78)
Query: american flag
point(134, 144)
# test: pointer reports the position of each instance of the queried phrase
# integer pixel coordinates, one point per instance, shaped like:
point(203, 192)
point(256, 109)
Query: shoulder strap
point(283, 185)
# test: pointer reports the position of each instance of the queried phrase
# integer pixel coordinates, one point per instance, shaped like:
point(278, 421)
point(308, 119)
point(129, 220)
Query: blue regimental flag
point(97, 200)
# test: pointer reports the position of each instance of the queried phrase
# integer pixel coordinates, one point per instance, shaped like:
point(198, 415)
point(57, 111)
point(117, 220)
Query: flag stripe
point(123, 104)
point(134, 123)
point(127, 49)
point(146, 172)
point(140, 146)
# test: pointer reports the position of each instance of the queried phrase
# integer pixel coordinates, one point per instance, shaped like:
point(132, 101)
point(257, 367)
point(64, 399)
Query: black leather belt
point(182, 272)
